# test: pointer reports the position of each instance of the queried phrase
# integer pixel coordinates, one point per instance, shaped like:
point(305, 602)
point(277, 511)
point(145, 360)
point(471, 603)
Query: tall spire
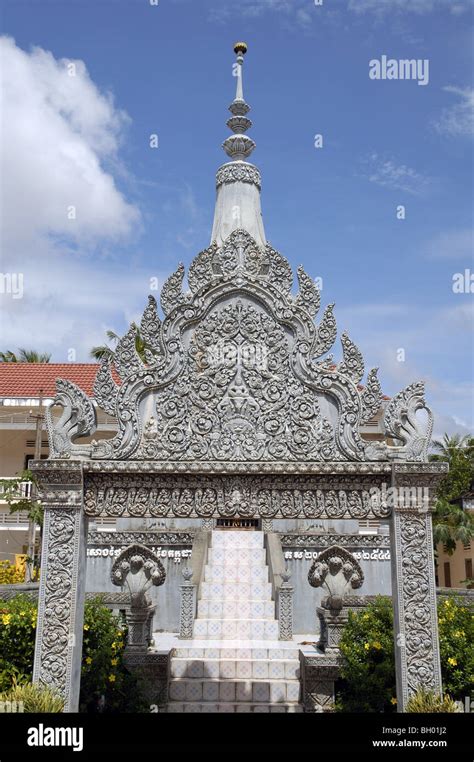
point(237, 181)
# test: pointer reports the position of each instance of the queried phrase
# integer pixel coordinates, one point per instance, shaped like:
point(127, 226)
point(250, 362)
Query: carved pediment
point(238, 371)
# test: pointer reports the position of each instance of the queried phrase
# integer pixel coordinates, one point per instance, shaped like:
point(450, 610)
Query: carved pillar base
point(152, 670)
point(319, 675)
point(332, 622)
point(139, 621)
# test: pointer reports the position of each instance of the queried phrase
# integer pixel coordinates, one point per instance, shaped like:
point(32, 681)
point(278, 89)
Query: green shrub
point(368, 666)
point(34, 698)
point(367, 672)
point(456, 644)
point(17, 640)
point(106, 684)
point(430, 702)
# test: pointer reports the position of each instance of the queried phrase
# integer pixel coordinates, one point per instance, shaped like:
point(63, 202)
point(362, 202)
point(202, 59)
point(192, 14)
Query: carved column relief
point(414, 595)
point(188, 605)
point(59, 631)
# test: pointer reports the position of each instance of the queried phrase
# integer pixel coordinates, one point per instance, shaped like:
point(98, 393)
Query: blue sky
point(167, 69)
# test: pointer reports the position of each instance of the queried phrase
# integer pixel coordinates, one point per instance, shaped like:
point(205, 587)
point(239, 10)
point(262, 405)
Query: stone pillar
point(414, 590)
point(332, 622)
point(188, 605)
point(318, 677)
point(285, 608)
point(58, 649)
point(139, 620)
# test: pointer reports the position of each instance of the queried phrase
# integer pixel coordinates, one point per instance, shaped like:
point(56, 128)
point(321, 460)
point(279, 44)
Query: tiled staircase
point(235, 662)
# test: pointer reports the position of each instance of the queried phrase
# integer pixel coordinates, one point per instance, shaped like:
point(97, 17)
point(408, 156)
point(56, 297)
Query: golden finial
point(240, 47)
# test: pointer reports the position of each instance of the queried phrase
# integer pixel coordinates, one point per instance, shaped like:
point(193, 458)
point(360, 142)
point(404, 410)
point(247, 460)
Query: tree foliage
point(368, 663)
point(25, 355)
point(452, 524)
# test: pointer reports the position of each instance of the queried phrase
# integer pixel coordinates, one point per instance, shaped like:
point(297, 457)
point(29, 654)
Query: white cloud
point(458, 119)
point(61, 137)
point(58, 132)
point(298, 11)
point(389, 174)
point(419, 7)
point(452, 244)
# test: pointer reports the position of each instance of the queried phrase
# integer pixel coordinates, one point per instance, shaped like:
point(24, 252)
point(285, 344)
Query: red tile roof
point(22, 379)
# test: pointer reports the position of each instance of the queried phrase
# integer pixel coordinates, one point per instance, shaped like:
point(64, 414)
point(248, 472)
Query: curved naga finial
point(78, 419)
point(337, 570)
point(400, 422)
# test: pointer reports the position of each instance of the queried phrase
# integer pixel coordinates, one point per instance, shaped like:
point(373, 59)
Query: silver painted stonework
point(235, 410)
point(187, 609)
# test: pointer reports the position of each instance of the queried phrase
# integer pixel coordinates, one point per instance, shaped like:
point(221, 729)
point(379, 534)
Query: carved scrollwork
point(353, 363)
point(233, 373)
point(326, 333)
point(309, 296)
point(371, 397)
point(281, 274)
point(126, 359)
point(172, 291)
point(105, 388)
point(237, 171)
point(150, 331)
point(417, 602)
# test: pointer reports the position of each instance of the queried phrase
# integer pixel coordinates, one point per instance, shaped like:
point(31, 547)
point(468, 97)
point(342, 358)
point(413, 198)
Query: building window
point(468, 567)
point(369, 526)
point(447, 574)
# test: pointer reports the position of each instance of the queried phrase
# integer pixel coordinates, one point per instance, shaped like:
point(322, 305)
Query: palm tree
point(106, 352)
point(452, 524)
point(448, 446)
point(25, 355)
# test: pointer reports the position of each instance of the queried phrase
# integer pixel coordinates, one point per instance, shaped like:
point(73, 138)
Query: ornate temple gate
point(235, 409)
point(74, 491)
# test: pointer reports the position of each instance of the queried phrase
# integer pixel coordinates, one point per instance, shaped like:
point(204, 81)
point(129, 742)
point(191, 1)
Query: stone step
point(235, 539)
point(254, 556)
point(238, 707)
point(236, 629)
point(237, 591)
point(235, 573)
point(238, 652)
point(230, 691)
point(242, 669)
point(231, 609)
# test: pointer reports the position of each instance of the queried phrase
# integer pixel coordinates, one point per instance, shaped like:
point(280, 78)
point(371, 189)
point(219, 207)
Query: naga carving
point(77, 419)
